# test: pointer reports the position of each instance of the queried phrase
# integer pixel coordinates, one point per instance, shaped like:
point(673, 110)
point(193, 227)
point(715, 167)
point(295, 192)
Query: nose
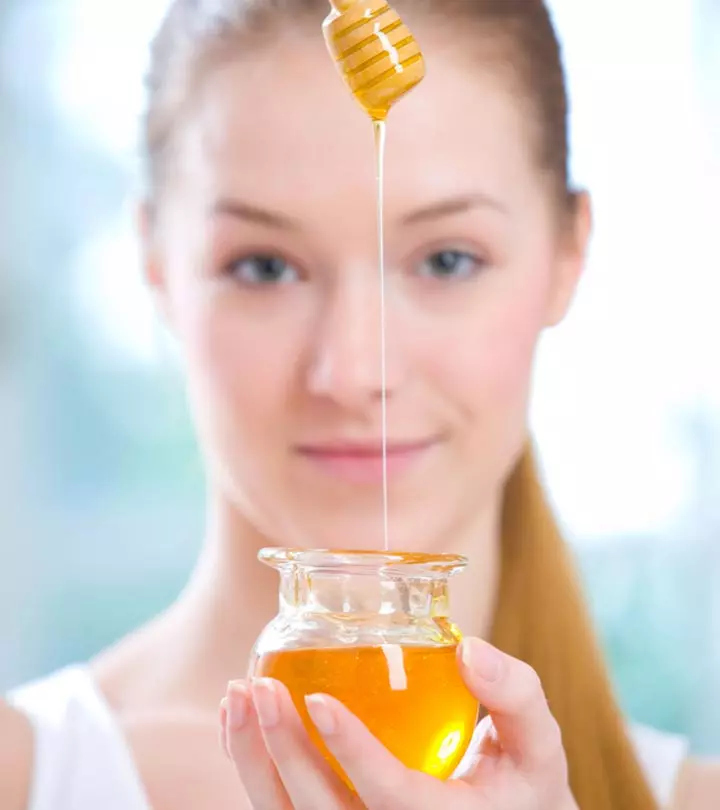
point(356, 353)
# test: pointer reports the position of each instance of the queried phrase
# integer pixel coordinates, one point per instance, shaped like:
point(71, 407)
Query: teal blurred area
point(101, 496)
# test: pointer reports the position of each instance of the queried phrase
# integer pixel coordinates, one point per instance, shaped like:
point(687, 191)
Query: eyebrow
point(451, 206)
point(238, 209)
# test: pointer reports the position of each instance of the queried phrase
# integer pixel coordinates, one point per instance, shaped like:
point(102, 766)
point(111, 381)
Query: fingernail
point(266, 702)
point(482, 658)
point(321, 714)
point(236, 705)
point(223, 726)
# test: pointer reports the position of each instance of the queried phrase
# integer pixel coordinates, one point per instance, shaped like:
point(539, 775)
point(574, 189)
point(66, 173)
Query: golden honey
point(375, 53)
point(412, 698)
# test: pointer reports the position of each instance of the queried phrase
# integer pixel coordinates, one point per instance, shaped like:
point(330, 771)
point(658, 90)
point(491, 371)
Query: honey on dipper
point(375, 52)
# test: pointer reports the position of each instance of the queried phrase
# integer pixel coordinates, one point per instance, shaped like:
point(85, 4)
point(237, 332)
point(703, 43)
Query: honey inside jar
point(412, 698)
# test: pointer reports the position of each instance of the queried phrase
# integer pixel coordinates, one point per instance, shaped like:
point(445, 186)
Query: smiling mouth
point(362, 462)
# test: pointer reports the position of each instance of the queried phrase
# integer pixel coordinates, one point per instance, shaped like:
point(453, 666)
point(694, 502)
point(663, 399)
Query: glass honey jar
point(373, 630)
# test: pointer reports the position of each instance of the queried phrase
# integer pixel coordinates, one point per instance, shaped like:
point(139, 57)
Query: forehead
point(277, 121)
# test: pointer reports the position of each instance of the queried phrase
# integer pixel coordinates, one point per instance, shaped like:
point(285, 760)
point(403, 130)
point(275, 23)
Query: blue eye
point(451, 264)
point(263, 270)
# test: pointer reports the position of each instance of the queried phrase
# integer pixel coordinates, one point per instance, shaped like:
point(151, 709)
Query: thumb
point(511, 692)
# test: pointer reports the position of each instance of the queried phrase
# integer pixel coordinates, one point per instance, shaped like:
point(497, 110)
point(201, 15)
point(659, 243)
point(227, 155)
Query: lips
point(362, 462)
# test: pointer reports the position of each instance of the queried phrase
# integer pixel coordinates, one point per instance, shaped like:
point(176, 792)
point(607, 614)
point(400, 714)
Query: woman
point(259, 229)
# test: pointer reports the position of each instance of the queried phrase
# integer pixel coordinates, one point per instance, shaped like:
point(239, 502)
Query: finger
point(223, 727)
point(512, 693)
point(310, 782)
point(246, 748)
point(484, 744)
point(379, 778)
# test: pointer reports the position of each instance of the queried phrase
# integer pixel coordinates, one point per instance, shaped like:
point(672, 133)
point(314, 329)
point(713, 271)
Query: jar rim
point(363, 560)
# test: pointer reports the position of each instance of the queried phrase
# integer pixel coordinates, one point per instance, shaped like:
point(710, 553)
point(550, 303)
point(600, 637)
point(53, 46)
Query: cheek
point(505, 354)
point(229, 355)
point(237, 366)
point(489, 352)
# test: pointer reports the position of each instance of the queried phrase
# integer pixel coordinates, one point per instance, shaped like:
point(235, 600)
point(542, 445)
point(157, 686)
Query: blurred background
point(100, 486)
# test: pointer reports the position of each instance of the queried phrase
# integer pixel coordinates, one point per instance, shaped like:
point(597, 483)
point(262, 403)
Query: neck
point(231, 596)
point(208, 634)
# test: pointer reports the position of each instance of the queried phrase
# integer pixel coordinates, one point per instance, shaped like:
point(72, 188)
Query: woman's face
point(266, 263)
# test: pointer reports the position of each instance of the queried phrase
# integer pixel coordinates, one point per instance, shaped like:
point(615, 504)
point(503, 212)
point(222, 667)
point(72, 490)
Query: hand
point(515, 762)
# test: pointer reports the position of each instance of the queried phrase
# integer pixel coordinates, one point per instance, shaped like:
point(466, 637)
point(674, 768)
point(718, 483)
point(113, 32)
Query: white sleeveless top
point(83, 762)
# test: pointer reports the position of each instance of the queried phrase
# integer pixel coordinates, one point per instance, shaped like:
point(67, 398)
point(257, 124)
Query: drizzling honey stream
point(380, 62)
point(412, 697)
point(373, 630)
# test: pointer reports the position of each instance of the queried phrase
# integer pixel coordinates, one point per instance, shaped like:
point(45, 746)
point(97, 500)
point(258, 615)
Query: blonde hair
point(542, 618)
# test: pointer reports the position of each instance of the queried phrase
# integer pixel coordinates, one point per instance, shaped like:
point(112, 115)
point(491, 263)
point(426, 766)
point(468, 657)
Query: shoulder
point(661, 756)
point(698, 786)
point(77, 749)
point(679, 781)
point(181, 763)
point(16, 746)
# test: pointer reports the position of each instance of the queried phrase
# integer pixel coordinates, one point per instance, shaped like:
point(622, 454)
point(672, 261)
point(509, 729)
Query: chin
point(295, 517)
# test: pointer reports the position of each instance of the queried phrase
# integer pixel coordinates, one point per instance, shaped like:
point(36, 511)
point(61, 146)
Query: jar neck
point(311, 591)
